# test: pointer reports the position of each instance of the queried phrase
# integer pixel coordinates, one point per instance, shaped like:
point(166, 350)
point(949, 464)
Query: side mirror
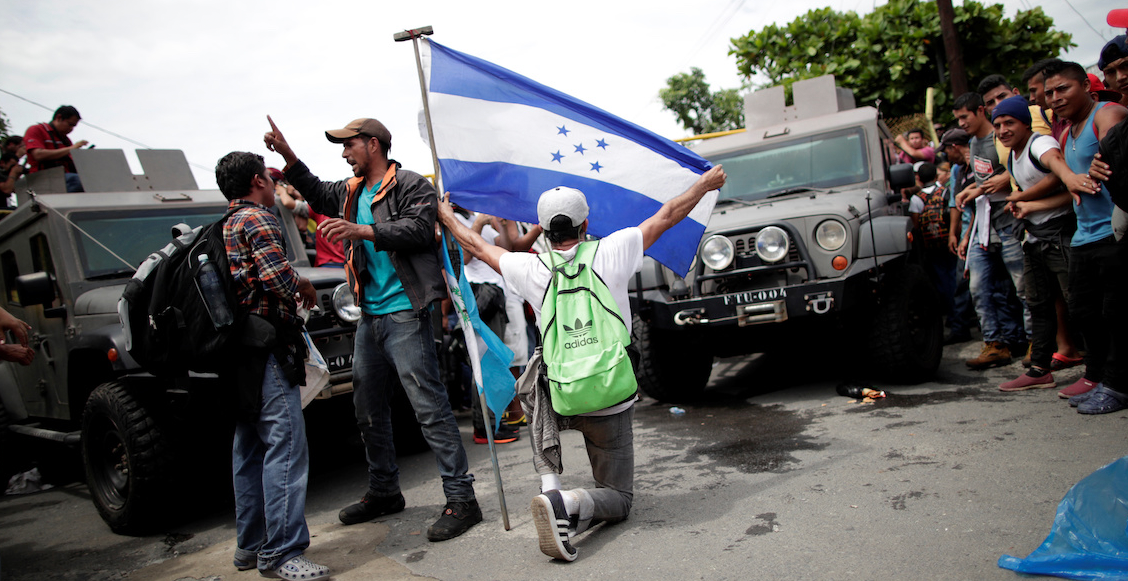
point(37, 288)
point(901, 176)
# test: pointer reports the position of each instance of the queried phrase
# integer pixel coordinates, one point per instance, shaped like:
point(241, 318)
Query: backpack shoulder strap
point(1034, 160)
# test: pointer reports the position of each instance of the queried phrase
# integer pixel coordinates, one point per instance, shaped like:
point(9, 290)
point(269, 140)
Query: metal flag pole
point(414, 35)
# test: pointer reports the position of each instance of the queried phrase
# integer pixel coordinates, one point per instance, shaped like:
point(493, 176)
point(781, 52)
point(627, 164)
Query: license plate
point(757, 296)
point(339, 362)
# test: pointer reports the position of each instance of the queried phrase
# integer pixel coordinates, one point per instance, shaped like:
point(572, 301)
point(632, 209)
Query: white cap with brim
point(562, 201)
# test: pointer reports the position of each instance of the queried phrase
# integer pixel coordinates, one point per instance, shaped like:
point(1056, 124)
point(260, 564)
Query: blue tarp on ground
point(1089, 538)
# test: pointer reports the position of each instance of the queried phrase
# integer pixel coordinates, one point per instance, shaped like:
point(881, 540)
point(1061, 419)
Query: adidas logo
point(579, 330)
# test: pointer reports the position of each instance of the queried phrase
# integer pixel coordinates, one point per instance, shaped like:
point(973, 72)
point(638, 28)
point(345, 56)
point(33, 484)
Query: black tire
point(671, 368)
point(7, 463)
point(126, 458)
point(907, 335)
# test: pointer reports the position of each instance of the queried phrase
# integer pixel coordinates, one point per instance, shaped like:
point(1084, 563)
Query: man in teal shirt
point(385, 217)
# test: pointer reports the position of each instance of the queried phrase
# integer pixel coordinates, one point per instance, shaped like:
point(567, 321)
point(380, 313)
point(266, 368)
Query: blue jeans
point(403, 344)
point(963, 317)
point(74, 183)
point(270, 464)
point(995, 271)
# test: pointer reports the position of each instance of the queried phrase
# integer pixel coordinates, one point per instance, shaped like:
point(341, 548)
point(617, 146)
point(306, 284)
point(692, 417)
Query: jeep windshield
point(812, 163)
point(130, 234)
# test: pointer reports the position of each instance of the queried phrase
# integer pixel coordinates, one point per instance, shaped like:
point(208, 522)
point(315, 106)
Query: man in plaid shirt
point(270, 458)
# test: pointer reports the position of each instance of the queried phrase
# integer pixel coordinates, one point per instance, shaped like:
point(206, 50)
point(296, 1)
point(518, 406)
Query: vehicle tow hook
point(690, 317)
point(820, 303)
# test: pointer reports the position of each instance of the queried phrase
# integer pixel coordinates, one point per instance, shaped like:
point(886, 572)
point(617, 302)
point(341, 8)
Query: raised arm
point(470, 240)
point(677, 209)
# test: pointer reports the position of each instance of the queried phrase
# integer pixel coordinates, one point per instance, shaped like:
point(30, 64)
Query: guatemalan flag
point(489, 357)
point(503, 139)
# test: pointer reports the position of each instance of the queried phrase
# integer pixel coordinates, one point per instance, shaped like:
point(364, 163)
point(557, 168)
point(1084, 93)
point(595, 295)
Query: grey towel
point(543, 426)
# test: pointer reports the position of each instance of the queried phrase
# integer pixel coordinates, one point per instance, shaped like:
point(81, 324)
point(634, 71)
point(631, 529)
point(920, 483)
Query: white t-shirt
point(1026, 174)
point(476, 270)
point(916, 203)
point(619, 257)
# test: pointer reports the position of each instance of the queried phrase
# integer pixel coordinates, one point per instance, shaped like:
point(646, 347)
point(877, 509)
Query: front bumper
point(754, 307)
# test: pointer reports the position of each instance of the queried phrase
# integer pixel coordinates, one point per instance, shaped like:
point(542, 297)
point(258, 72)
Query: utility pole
point(956, 74)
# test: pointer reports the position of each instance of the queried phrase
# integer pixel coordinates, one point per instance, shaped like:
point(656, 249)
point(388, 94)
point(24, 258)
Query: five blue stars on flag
point(579, 148)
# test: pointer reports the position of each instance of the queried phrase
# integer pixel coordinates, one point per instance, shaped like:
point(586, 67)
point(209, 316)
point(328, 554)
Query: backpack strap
point(1010, 169)
point(585, 255)
point(1034, 160)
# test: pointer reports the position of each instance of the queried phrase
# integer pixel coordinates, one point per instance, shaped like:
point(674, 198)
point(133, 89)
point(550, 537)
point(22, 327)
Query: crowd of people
point(1020, 214)
point(385, 220)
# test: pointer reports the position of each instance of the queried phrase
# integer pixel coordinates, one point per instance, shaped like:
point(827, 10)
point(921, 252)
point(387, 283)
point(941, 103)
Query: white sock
point(550, 482)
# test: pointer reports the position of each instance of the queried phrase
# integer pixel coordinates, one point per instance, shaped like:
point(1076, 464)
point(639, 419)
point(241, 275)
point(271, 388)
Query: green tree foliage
point(698, 109)
point(896, 52)
point(5, 125)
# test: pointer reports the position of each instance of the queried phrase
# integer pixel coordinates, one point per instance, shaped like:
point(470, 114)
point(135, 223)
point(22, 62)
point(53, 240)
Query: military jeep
point(808, 247)
point(66, 259)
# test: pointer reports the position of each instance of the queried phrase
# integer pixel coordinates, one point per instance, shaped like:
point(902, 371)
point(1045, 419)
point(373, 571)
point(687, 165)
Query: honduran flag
point(503, 139)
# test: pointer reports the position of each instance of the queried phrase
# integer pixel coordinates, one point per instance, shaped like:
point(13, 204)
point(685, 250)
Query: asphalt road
point(772, 476)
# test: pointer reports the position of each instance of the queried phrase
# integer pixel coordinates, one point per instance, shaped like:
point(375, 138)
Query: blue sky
point(202, 75)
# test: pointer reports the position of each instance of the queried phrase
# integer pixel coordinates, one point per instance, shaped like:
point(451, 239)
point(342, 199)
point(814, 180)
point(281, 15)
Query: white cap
point(562, 201)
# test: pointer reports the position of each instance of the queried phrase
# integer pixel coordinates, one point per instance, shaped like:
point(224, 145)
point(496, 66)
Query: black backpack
point(167, 323)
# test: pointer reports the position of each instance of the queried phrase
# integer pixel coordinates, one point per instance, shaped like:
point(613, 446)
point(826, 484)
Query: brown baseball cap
point(954, 136)
point(369, 127)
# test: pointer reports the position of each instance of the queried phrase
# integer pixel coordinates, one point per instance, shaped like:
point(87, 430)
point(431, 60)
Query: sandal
point(1060, 362)
point(298, 569)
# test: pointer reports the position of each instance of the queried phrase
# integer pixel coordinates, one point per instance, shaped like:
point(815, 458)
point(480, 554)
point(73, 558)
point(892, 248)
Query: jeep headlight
point(771, 244)
point(344, 304)
point(717, 252)
point(830, 235)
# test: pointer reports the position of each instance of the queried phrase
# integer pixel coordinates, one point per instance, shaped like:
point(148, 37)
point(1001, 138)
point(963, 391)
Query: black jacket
point(405, 227)
point(1114, 152)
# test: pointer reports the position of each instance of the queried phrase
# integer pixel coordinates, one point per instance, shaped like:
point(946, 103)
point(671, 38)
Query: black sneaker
point(370, 507)
point(456, 519)
point(552, 526)
point(504, 435)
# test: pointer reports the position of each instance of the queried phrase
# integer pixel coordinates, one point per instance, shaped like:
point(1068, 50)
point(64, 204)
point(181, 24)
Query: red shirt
point(44, 136)
point(326, 251)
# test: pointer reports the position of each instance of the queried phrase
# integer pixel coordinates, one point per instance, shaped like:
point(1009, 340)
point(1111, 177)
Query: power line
point(89, 124)
point(722, 18)
point(1083, 19)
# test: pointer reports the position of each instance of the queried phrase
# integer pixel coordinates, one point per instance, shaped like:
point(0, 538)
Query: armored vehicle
point(808, 248)
point(66, 259)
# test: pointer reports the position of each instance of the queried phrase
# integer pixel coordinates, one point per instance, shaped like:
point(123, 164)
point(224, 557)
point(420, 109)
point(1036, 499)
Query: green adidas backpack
point(584, 337)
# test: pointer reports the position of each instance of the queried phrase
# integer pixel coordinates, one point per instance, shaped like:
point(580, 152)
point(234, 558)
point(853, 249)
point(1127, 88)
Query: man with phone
point(48, 145)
